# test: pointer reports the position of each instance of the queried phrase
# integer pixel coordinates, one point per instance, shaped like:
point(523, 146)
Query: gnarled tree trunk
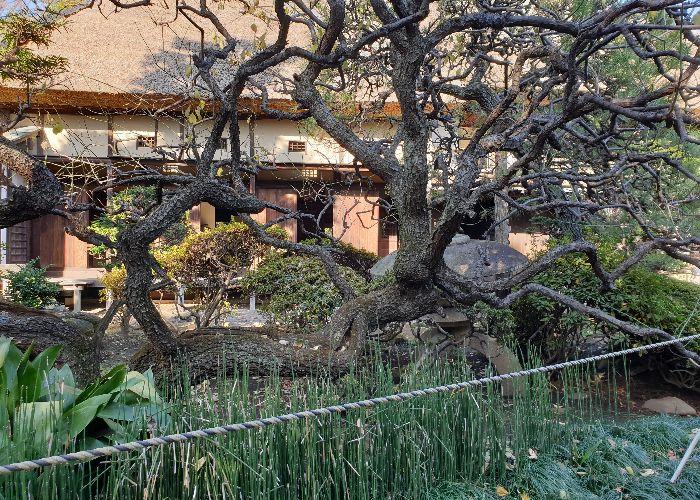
point(207, 351)
point(79, 335)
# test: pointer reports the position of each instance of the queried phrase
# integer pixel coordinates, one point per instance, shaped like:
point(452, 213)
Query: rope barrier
point(87, 455)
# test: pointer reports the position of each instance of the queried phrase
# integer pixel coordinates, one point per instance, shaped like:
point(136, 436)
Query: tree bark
point(209, 352)
point(137, 290)
point(335, 349)
point(76, 333)
point(500, 207)
point(40, 195)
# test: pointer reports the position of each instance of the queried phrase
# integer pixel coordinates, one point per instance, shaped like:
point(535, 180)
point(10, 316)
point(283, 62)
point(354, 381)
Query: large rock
point(473, 259)
point(670, 406)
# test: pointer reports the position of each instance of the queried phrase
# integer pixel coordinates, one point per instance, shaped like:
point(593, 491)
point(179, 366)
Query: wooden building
point(120, 104)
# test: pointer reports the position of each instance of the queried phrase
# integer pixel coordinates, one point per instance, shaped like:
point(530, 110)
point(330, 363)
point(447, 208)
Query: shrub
point(355, 258)
point(113, 281)
point(40, 403)
point(124, 208)
point(211, 256)
point(301, 295)
point(30, 287)
point(206, 262)
point(642, 296)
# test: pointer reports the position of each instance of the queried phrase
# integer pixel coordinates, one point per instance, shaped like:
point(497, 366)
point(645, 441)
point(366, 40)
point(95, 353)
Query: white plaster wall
point(203, 130)
point(86, 137)
point(272, 139)
point(126, 130)
point(74, 135)
point(169, 133)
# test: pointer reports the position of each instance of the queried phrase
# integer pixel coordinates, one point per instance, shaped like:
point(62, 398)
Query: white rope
point(82, 456)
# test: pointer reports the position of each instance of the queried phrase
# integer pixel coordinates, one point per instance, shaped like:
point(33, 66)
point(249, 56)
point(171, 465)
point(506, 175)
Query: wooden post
point(251, 151)
point(77, 298)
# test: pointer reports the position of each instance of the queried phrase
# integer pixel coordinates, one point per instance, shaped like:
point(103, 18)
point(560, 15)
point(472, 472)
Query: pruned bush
point(358, 259)
point(30, 287)
point(205, 263)
point(113, 281)
point(300, 293)
point(212, 256)
point(124, 208)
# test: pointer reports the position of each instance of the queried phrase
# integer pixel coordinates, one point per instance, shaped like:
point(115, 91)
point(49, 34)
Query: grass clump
point(633, 459)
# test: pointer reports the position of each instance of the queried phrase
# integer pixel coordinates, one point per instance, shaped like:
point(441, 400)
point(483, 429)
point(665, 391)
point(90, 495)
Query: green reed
point(399, 450)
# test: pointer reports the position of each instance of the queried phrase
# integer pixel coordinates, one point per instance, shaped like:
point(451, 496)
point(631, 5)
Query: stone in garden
point(449, 318)
point(670, 406)
point(473, 259)
point(503, 359)
point(420, 331)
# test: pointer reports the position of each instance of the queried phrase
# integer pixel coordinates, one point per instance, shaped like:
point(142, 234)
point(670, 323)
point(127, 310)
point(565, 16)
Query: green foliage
point(19, 33)
point(41, 407)
point(30, 287)
point(357, 258)
point(212, 254)
point(460, 445)
point(301, 295)
point(128, 207)
point(113, 281)
point(204, 262)
point(642, 295)
point(630, 460)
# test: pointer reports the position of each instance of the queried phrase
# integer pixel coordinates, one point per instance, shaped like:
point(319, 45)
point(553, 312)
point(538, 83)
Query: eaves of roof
point(88, 102)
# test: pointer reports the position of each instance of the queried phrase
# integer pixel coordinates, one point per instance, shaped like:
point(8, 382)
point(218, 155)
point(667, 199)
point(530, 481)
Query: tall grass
point(402, 450)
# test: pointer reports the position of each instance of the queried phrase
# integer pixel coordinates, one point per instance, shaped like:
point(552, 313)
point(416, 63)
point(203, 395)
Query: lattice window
point(146, 141)
point(309, 173)
point(296, 146)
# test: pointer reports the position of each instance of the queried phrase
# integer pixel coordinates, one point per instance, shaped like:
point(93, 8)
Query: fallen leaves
point(501, 491)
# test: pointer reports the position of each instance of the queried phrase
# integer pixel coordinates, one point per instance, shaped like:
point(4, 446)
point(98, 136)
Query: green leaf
point(89, 443)
point(5, 344)
point(141, 385)
point(46, 359)
point(118, 411)
point(29, 382)
point(63, 375)
point(9, 370)
point(109, 383)
point(79, 417)
point(38, 420)
point(4, 415)
point(131, 412)
point(119, 432)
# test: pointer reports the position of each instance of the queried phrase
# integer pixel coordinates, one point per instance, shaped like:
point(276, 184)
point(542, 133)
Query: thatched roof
point(146, 50)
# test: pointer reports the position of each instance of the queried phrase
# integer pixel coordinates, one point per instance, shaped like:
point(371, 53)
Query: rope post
point(686, 456)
